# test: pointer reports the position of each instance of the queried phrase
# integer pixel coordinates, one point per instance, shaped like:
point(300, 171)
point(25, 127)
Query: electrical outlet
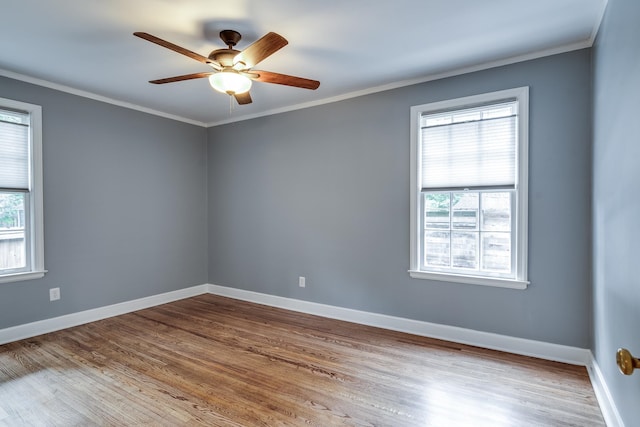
point(301, 282)
point(54, 294)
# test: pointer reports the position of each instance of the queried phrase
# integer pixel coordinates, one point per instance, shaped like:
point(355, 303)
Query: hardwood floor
point(214, 361)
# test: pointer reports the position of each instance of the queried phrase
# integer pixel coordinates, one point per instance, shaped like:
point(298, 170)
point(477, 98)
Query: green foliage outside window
point(11, 209)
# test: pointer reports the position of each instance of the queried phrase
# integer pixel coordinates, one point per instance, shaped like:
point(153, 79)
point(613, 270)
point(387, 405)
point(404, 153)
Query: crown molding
point(95, 97)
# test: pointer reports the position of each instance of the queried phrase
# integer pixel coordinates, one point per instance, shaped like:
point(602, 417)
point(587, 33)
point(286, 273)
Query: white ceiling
point(350, 46)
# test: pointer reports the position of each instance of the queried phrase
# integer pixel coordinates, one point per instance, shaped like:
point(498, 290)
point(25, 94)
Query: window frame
point(34, 227)
point(521, 95)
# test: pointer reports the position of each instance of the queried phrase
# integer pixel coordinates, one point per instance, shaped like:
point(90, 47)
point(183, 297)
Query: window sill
point(483, 281)
point(27, 275)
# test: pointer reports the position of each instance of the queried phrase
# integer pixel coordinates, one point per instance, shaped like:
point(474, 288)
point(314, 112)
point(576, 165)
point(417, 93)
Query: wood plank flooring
point(214, 361)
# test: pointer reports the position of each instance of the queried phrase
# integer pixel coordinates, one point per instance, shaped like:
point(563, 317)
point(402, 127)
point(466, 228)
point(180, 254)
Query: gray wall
point(616, 202)
point(124, 203)
point(321, 192)
point(324, 193)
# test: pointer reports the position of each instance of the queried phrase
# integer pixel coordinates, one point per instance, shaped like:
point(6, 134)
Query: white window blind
point(471, 148)
point(14, 151)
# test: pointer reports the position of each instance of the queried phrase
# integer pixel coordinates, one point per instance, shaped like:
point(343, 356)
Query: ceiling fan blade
point(243, 98)
point(181, 78)
point(284, 79)
point(260, 49)
point(173, 47)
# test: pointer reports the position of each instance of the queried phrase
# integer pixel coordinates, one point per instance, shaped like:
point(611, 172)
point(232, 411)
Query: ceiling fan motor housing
point(224, 57)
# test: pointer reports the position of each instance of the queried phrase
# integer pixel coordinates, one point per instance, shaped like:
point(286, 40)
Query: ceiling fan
point(233, 69)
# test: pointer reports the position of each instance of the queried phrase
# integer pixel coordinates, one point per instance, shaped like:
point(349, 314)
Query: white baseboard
point(40, 327)
point(607, 405)
point(543, 350)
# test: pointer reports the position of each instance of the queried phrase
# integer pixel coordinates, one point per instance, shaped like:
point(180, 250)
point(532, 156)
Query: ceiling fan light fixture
point(230, 82)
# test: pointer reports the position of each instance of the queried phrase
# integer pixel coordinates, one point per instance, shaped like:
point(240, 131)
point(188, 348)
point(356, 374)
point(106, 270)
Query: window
point(21, 223)
point(469, 162)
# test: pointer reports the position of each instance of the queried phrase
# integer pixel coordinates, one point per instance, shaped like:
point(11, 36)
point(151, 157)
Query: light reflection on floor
point(16, 412)
point(452, 408)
